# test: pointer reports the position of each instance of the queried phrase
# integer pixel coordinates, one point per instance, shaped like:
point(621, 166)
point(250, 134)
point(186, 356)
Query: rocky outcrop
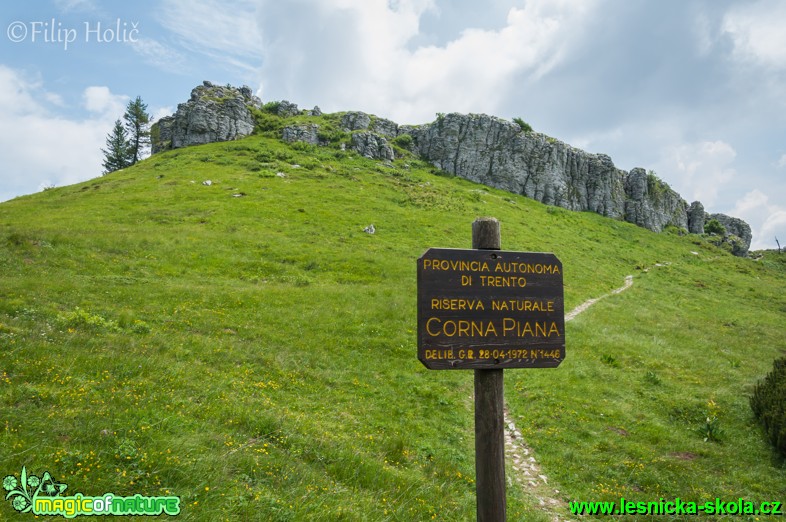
point(353, 121)
point(477, 147)
point(696, 218)
point(287, 109)
point(735, 227)
point(161, 134)
point(497, 153)
point(214, 113)
point(371, 145)
point(384, 127)
point(653, 204)
point(308, 133)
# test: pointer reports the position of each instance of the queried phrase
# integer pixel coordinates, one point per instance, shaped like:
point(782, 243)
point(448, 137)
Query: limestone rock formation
point(653, 204)
point(161, 134)
point(303, 132)
point(214, 113)
point(287, 109)
point(736, 227)
point(353, 121)
point(477, 147)
point(372, 145)
point(696, 218)
point(497, 153)
point(383, 127)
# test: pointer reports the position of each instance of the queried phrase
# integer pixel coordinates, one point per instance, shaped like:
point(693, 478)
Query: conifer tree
point(117, 154)
point(137, 122)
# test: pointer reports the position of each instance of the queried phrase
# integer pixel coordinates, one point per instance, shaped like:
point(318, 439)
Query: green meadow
point(244, 345)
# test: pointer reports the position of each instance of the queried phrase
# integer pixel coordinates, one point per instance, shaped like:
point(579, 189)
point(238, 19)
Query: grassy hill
point(246, 346)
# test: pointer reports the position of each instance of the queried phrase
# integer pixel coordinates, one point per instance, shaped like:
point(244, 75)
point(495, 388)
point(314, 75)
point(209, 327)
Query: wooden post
point(489, 411)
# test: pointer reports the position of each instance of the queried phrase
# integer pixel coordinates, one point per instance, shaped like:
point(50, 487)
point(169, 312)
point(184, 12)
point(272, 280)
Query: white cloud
point(757, 30)
point(208, 32)
point(16, 97)
point(100, 101)
point(160, 112)
point(76, 5)
point(214, 25)
point(699, 170)
point(767, 220)
point(782, 161)
point(158, 54)
point(41, 148)
point(356, 54)
point(702, 33)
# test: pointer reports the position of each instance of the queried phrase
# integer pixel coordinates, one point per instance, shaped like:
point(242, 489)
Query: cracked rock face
point(307, 133)
point(384, 127)
point(214, 113)
point(696, 218)
point(736, 227)
point(496, 152)
point(372, 146)
point(651, 203)
point(353, 121)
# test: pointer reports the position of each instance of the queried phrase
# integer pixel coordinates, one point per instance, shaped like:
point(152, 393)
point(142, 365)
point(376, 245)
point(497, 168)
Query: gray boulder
point(214, 113)
point(372, 146)
point(651, 203)
point(384, 127)
point(353, 121)
point(636, 184)
point(696, 217)
point(161, 134)
point(307, 133)
point(287, 109)
point(736, 227)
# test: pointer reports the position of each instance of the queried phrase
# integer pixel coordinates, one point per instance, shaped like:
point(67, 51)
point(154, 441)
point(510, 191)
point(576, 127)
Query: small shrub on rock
point(713, 226)
point(525, 127)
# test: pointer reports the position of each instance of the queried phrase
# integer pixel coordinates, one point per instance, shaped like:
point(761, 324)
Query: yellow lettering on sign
point(455, 265)
point(457, 304)
point(436, 327)
point(526, 268)
point(513, 328)
point(436, 355)
point(518, 305)
point(503, 281)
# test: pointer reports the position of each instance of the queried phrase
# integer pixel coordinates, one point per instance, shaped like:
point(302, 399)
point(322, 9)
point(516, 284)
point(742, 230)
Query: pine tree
point(117, 154)
point(137, 127)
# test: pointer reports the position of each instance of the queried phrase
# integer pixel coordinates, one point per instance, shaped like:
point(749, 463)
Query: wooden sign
point(490, 309)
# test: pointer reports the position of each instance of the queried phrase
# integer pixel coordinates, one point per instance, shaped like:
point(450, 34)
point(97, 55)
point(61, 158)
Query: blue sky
point(692, 89)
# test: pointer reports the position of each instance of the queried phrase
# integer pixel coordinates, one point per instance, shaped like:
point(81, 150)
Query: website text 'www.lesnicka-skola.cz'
point(677, 506)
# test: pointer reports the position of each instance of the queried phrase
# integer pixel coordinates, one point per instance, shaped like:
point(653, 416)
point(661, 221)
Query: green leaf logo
point(23, 491)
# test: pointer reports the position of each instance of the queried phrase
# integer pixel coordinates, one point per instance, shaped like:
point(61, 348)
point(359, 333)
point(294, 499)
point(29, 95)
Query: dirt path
point(586, 304)
point(526, 471)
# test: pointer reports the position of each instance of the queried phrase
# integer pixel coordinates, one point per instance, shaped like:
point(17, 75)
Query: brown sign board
point(488, 309)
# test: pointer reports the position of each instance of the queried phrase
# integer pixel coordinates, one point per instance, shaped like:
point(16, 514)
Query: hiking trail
point(527, 473)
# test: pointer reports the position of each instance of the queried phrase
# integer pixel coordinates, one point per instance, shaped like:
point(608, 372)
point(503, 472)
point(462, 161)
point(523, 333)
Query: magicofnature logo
point(44, 496)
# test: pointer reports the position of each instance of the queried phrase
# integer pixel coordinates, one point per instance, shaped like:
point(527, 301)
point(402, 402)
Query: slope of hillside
point(244, 345)
point(477, 147)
